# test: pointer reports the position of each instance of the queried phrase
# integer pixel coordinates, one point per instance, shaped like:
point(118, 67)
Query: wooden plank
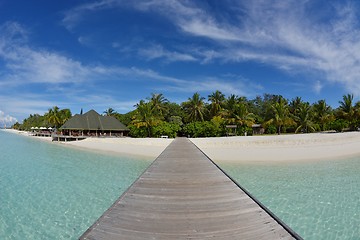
point(183, 195)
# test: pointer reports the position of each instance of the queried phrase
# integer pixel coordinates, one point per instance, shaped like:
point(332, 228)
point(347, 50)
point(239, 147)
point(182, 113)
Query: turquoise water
point(319, 200)
point(49, 191)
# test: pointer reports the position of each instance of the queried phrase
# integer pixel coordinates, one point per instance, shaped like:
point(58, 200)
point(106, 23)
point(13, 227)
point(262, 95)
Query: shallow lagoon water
point(319, 200)
point(48, 191)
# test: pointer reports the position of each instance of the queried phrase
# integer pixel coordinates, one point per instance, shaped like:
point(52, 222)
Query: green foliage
point(302, 116)
point(125, 118)
point(56, 118)
point(271, 129)
point(244, 130)
point(158, 104)
point(281, 115)
point(157, 116)
point(16, 126)
point(145, 116)
point(176, 120)
point(174, 109)
point(166, 129)
point(347, 111)
point(35, 120)
point(195, 108)
point(339, 125)
point(217, 101)
point(138, 132)
point(323, 115)
point(219, 124)
point(201, 129)
point(53, 118)
point(110, 112)
point(64, 114)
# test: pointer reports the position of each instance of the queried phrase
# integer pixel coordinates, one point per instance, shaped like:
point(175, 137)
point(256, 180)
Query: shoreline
point(281, 148)
point(149, 148)
point(251, 149)
point(137, 147)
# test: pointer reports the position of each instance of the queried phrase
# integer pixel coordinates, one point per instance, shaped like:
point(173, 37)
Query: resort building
point(91, 124)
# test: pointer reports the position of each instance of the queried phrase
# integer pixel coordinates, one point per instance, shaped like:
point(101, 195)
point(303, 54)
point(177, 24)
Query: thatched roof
point(94, 121)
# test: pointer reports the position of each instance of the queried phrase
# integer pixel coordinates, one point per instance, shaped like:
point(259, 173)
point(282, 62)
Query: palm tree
point(144, 116)
point(230, 106)
point(241, 116)
point(322, 114)
point(346, 105)
point(231, 101)
point(158, 102)
point(295, 104)
point(347, 110)
point(53, 117)
point(236, 112)
point(195, 108)
point(109, 112)
point(217, 100)
point(303, 118)
point(65, 114)
point(281, 114)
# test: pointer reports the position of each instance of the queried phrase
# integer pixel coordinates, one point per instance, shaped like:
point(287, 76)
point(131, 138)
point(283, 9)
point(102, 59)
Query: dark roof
point(94, 121)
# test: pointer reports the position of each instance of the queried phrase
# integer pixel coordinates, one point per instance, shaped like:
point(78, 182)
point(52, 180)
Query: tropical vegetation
point(220, 115)
point(54, 118)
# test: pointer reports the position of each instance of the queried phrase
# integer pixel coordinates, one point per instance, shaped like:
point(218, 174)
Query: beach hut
point(231, 130)
point(92, 124)
point(257, 129)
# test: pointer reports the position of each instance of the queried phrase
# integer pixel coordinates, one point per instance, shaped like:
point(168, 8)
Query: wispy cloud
point(22, 106)
point(192, 19)
point(228, 84)
point(73, 16)
point(55, 79)
point(159, 52)
point(28, 65)
point(285, 35)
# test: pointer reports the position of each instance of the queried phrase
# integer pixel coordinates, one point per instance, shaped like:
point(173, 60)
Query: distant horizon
point(110, 53)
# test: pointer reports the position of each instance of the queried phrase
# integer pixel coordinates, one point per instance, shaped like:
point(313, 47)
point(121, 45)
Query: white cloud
point(192, 19)
point(73, 16)
point(227, 84)
point(317, 87)
point(158, 52)
point(208, 28)
point(6, 119)
point(284, 34)
point(24, 64)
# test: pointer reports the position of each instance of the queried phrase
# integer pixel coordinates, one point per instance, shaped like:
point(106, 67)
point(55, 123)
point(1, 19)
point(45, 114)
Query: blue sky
point(112, 53)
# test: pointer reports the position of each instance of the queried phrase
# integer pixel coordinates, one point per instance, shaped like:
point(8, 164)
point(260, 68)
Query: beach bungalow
point(91, 124)
point(257, 129)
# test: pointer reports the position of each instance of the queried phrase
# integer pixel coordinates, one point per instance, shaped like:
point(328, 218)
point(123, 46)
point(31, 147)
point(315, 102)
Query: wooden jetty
point(67, 138)
point(184, 195)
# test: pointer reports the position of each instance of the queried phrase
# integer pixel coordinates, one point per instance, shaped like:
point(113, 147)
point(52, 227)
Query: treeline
point(54, 118)
point(208, 117)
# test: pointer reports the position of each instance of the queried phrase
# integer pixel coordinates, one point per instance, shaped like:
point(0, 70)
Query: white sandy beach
point(144, 147)
point(299, 147)
point(27, 134)
point(148, 147)
point(275, 148)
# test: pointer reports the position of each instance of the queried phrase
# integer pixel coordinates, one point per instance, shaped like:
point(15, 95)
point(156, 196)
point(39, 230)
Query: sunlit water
point(319, 200)
point(49, 191)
